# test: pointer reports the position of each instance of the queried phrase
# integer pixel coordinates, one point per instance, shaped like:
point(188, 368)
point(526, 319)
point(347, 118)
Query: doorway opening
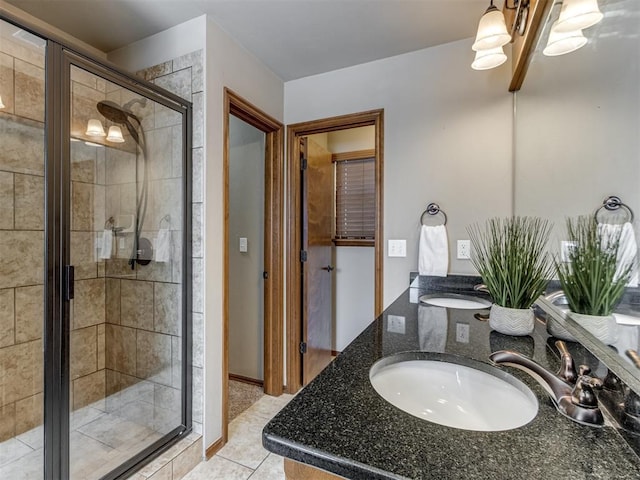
point(253, 190)
point(311, 254)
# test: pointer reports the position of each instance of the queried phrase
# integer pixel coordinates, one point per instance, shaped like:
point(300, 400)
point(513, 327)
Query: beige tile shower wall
point(21, 237)
point(143, 337)
point(184, 76)
point(88, 193)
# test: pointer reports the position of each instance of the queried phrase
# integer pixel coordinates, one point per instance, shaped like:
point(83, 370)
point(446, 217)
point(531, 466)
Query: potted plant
point(593, 279)
point(511, 257)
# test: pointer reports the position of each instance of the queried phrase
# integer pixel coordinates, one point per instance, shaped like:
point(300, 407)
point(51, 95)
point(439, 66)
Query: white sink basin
point(452, 300)
point(622, 319)
point(441, 389)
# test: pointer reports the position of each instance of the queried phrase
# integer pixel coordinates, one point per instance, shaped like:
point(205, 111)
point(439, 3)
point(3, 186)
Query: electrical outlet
point(565, 249)
point(464, 249)
point(462, 332)
point(395, 324)
point(397, 248)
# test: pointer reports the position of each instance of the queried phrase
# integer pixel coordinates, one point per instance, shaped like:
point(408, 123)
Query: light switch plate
point(397, 248)
point(243, 246)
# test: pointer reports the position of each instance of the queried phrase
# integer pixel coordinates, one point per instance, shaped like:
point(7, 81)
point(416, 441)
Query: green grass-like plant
point(510, 256)
point(589, 278)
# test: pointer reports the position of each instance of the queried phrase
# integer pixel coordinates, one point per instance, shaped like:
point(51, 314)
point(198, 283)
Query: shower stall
point(95, 282)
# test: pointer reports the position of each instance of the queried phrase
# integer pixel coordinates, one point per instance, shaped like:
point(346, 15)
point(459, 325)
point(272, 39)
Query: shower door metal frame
point(59, 57)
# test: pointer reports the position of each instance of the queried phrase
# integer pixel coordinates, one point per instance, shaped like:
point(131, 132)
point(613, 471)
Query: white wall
point(354, 289)
point(246, 219)
point(227, 64)
point(447, 137)
point(161, 47)
point(577, 126)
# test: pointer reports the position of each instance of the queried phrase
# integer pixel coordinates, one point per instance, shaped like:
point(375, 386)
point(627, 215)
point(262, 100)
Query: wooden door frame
point(273, 251)
point(294, 279)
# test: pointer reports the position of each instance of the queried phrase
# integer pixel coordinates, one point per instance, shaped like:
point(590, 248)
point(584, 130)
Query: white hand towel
point(433, 324)
point(106, 243)
point(433, 255)
point(627, 248)
point(162, 247)
point(628, 253)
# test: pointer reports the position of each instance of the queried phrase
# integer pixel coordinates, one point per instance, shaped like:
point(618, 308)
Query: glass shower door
point(126, 242)
point(22, 257)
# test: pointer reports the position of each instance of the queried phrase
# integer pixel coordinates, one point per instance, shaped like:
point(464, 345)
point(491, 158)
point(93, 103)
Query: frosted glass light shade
point(560, 43)
point(492, 30)
point(95, 128)
point(2, 104)
point(491, 58)
point(115, 134)
point(578, 14)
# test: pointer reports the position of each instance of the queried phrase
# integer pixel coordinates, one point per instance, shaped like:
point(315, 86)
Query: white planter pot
point(603, 328)
point(556, 330)
point(511, 321)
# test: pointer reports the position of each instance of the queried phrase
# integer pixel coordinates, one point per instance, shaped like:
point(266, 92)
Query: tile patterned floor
point(93, 439)
point(243, 457)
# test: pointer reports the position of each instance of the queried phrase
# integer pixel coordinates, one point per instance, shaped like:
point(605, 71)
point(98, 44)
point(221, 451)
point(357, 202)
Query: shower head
point(114, 113)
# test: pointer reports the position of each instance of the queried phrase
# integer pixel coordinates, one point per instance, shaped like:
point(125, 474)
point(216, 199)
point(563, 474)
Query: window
point(355, 198)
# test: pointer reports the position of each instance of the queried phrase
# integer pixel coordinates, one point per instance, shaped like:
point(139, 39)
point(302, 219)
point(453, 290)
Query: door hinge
point(265, 275)
point(303, 347)
point(303, 255)
point(303, 163)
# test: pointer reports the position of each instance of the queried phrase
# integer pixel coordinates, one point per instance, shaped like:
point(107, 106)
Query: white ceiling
point(294, 38)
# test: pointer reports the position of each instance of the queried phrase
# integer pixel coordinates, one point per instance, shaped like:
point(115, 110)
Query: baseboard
point(250, 381)
point(213, 448)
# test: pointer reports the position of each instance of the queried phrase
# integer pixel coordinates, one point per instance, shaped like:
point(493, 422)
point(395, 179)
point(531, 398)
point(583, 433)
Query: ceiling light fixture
point(578, 14)
point(560, 43)
point(95, 128)
point(115, 134)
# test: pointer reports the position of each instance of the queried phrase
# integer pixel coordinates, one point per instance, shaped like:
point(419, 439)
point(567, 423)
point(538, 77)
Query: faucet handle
point(583, 393)
point(567, 371)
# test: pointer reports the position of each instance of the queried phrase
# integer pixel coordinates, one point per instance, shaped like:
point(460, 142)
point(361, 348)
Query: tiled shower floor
point(100, 441)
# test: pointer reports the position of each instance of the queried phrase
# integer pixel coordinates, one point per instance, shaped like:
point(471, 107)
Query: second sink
point(454, 300)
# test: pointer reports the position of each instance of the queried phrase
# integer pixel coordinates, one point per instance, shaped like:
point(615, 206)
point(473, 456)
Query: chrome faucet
point(572, 394)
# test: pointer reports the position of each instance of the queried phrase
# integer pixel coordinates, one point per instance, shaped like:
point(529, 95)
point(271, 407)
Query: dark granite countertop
point(338, 423)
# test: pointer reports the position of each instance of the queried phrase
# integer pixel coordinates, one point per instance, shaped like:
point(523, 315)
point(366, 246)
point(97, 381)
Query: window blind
point(355, 199)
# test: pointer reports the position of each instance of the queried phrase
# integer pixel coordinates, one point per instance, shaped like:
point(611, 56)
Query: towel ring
point(611, 204)
point(433, 209)
point(166, 218)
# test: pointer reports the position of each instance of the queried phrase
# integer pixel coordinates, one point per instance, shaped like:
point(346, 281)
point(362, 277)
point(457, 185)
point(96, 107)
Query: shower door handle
point(69, 276)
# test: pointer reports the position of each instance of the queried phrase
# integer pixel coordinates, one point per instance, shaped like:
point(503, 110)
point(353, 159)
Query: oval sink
point(452, 300)
point(454, 391)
